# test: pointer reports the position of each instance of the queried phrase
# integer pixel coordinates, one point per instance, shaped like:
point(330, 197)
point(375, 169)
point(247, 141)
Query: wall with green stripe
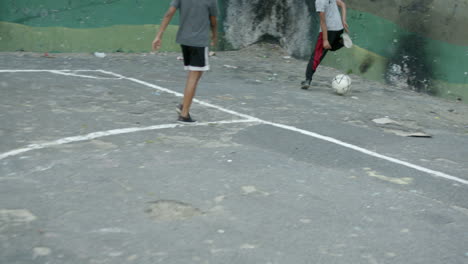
point(82, 25)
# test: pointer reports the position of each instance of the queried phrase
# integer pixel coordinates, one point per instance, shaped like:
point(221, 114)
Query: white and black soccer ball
point(341, 84)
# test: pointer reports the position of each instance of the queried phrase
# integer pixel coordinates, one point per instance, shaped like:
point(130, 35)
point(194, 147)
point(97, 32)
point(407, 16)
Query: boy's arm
point(166, 20)
point(323, 26)
point(342, 4)
point(214, 30)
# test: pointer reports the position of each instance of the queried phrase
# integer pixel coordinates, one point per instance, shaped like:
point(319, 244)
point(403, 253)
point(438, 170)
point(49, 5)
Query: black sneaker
point(305, 84)
point(186, 120)
point(179, 108)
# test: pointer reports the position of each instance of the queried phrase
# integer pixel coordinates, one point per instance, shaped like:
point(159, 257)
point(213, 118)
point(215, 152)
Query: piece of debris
point(47, 55)
point(384, 121)
point(401, 128)
point(287, 57)
point(408, 134)
point(100, 54)
point(212, 53)
point(419, 134)
point(180, 58)
point(230, 66)
point(41, 252)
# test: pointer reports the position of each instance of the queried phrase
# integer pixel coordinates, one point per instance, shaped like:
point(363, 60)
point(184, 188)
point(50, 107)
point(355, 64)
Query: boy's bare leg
point(190, 88)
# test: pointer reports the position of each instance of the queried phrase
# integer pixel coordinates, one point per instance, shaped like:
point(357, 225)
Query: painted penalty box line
point(63, 72)
point(100, 134)
point(305, 132)
point(114, 132)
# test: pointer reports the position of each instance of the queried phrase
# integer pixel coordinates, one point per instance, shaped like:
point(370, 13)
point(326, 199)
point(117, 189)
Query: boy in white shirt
point(332, 25)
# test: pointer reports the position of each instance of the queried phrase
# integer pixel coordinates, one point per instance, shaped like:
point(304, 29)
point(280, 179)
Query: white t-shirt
point(332, 14)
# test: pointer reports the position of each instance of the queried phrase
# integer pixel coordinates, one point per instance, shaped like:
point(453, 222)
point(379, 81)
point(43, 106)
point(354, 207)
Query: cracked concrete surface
point(226, 192)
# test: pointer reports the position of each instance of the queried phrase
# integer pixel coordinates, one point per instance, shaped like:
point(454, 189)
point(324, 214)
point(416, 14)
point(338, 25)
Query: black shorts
point(195, 58)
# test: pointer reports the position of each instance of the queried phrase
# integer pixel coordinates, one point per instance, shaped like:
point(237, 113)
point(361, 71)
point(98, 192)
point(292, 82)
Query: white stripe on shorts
point(207, 64)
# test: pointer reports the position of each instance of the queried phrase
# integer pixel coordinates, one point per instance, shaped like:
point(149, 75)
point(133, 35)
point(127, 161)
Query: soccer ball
point(341, 84)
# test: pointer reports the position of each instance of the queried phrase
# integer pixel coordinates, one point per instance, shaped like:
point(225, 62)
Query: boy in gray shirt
point(197, 19)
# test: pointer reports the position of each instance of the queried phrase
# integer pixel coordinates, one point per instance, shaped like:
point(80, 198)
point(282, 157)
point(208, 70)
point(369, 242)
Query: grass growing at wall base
point(121, 38)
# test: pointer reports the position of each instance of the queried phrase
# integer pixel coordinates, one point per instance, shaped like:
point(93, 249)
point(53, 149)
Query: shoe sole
point(305, 87)
point(186, 123)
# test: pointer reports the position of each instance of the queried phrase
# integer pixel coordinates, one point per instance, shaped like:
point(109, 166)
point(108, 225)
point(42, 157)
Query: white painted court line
point(248, 119)
point(113, 132)
point(251, 118)
point(83, 76)
point(62, 72)
point(305, 132)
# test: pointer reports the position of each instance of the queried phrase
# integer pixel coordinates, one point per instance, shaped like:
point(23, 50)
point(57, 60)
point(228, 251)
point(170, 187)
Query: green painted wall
point(122, 38)
point(443, 20)
point(83, 25)
point(82, 13)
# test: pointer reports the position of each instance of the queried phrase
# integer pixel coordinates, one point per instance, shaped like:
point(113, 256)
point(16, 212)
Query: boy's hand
point(156, 44)
point(326, 44)
point(214, 41)
point(346, 27)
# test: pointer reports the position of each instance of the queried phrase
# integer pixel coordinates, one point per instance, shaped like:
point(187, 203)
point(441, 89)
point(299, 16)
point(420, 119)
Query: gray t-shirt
point(195, 25)
point(332, 14)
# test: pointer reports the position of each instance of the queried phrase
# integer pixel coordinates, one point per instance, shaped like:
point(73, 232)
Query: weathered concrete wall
point(443, 20)
point(290, 22)
point(422, 42)
point(419, 44)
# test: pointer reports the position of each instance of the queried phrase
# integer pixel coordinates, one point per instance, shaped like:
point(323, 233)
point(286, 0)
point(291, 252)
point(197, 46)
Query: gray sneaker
point(186, 120)
point(305, 84)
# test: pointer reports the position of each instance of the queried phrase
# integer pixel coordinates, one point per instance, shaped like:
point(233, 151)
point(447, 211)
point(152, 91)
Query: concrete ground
point(94, 168)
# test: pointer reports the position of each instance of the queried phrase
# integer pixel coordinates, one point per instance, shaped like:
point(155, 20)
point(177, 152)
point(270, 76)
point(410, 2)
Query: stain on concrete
point(16, 216)
point(400, 181)
point(417, 6)
point(246, 190)
point(41, 252)
point(170, 210)
point(366, 64)
point(411, 65)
